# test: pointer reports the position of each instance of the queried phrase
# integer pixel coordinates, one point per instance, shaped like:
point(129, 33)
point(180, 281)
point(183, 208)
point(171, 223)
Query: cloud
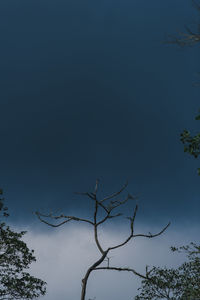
point(64, 254)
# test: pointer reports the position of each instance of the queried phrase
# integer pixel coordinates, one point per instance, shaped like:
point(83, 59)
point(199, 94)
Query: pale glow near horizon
point(64, 254)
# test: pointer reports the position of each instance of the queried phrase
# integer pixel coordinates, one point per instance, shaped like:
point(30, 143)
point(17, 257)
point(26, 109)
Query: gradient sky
point(88, 90)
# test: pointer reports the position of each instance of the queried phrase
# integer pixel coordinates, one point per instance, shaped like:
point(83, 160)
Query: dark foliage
point(15, 258)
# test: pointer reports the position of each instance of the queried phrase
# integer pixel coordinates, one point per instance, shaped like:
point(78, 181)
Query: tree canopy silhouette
point(15, 258)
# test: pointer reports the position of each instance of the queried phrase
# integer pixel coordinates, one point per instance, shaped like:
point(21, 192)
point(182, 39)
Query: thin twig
point(115, 194)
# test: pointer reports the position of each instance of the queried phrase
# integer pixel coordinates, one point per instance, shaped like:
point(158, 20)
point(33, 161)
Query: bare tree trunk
point(85, 279)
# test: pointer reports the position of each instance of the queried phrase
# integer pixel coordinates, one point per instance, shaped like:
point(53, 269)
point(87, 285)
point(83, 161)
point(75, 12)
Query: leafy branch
point(191, 143)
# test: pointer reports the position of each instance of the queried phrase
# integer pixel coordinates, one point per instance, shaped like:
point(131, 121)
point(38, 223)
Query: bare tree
point(107, 205)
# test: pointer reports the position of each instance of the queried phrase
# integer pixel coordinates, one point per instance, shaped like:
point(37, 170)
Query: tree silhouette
point(15, 258)
point(182, 283)
point(107, 205)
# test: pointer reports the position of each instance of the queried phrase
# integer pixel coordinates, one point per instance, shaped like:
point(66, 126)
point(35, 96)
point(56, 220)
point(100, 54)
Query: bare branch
point(131, 233)
point(153, 235)
point(90, 195)
point(96, 226)
point(108, 216)
point(188, 38)
point(93, 197)
point(69, 218)
point(114, 204)
point(97, 240)
point(50, 224)
point(115, 194)
point(121, 269)
point(104, 207)
point(108, 261)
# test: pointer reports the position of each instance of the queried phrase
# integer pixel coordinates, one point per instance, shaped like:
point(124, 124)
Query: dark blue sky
point(88, 90)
